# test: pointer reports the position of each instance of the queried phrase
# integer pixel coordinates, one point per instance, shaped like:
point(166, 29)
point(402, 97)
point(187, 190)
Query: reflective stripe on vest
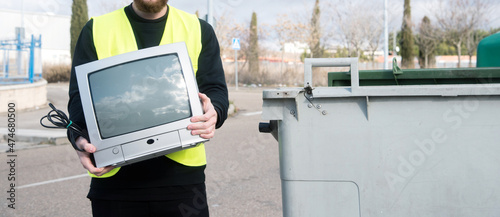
point(113, 35)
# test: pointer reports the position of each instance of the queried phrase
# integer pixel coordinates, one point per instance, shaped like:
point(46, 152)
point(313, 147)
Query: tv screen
point(144, 93)
point(137, 105)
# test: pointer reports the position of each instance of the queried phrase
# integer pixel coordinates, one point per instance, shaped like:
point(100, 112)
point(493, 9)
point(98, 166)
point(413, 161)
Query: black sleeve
point(210, 75)
point(84, 52)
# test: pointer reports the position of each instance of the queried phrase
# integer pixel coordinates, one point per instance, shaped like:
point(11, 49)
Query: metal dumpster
point(386, 149)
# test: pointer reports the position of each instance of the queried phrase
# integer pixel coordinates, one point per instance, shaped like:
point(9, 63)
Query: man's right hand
point(83, 144)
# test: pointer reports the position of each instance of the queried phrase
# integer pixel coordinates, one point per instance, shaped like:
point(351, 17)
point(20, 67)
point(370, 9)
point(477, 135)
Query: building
point(296, 47)
point(54, 30)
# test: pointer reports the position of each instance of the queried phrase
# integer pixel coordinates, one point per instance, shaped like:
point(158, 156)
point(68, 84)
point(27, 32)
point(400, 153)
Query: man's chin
point(150, 7)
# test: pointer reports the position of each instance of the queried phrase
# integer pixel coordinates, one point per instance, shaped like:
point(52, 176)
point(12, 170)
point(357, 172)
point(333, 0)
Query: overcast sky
point(241, 10)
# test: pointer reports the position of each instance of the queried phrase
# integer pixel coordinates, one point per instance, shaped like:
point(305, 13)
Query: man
point(171, 185)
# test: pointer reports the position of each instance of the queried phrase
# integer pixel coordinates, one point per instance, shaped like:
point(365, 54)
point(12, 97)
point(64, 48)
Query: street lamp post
point(210, 13)
point(386, 36)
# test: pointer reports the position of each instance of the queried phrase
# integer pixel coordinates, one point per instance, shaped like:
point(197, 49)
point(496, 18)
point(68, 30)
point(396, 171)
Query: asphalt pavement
point(48, 180)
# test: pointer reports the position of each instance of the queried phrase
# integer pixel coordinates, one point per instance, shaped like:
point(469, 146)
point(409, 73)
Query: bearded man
point(170, 185)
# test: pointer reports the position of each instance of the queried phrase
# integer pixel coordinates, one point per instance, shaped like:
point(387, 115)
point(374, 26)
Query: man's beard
point(150, 7)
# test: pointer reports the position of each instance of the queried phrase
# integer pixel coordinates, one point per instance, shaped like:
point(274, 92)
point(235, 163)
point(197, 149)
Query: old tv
point(138, 105)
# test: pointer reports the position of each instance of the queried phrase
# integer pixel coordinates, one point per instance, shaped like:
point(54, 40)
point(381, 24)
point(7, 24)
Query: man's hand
point(206, 122)
point(85, 157)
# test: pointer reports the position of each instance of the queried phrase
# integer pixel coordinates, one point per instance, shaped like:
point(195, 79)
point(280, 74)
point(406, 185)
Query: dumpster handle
point(396, 70)
point(331, 62)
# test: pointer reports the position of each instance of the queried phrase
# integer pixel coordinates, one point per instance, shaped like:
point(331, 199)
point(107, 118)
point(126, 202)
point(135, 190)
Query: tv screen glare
point(138, 105)
point(139, 98)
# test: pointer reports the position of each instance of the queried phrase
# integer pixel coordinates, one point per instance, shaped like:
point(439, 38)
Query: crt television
point(138, 105)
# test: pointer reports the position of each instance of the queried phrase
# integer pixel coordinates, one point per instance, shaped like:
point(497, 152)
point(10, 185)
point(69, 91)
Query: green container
point(418, 77)
point(488, 51)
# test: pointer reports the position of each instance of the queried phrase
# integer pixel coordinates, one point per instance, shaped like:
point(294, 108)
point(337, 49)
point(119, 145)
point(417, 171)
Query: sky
point(241, 10)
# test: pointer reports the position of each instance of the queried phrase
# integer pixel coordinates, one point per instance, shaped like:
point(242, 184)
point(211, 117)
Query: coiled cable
point(61, 121)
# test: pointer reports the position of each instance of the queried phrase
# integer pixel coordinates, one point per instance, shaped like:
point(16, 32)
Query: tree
point(459, 18)
point(79, 17)
point(472, 41)
point(225, 30)
point(253, 48)
point(286, 31)
point(357, 31)
point(393, 39)
point(350, 31)
point(427, 41)
point(372, 33)
point(406, 42)
point(314, 42)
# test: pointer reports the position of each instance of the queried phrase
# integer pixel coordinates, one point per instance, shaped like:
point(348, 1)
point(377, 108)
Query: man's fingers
point(102, 171)
point(85, 161)
point(83, 144)
point(200, 118)
point(209, 117)
point(202, 130)
point(206, 103)
point(85, 157)
point(87, 164)
point(96, 171)
point(89, 148)
point(204, 98)
point(208, 136)
point(203, 124)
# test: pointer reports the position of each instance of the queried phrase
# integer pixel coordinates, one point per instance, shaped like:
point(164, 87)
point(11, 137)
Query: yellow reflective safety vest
point(113, 35)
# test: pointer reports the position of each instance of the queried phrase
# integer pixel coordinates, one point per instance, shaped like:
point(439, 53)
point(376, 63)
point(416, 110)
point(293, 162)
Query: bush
point(56, 72)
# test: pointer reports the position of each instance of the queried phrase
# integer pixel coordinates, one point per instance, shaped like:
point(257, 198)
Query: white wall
point(53, 28)
point(296, 47)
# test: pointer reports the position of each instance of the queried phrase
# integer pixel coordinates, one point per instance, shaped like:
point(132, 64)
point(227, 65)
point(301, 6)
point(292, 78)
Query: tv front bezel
point(83, 71)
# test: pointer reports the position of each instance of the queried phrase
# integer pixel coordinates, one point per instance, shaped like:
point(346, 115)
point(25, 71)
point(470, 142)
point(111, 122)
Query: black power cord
point(61, 121)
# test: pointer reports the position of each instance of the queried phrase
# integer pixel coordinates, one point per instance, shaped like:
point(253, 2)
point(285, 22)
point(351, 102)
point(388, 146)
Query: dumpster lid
point(435, 76)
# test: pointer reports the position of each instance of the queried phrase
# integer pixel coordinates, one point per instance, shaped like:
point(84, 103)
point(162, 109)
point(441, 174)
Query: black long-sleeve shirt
point(155, 178)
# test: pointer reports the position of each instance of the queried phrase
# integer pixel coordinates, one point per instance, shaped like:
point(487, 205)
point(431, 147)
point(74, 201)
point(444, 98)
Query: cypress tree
point(314, 44)
point(407, 41)
point(79, 17)
point(253, 48)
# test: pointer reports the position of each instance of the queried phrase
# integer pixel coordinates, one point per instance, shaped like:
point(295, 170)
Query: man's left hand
point(204, 125)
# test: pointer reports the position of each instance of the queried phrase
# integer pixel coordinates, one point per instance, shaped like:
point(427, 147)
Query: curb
point(36, 137)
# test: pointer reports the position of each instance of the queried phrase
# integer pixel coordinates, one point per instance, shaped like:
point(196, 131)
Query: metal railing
point(20, 60)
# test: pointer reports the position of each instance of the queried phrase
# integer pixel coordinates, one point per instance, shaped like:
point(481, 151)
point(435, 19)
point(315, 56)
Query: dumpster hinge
point(308, 89)
point(311, 104)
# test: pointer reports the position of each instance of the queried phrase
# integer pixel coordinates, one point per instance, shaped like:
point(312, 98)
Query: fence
point(20, 60)
point(292, 73)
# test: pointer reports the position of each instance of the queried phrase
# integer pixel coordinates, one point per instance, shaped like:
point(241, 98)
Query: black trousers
point(194, 205)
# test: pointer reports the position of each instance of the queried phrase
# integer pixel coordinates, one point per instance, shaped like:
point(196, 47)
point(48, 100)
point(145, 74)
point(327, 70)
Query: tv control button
point(150, 141)
point(116, 150)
